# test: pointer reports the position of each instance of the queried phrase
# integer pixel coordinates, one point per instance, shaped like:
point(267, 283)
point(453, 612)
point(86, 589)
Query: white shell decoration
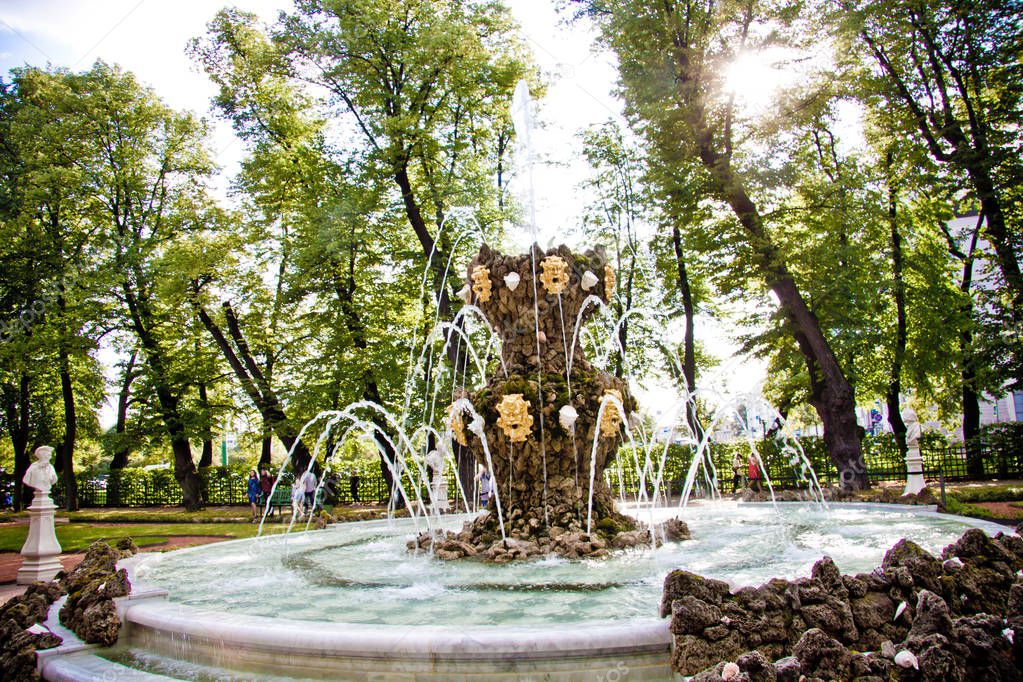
point(906, 659)
point(567, 416)
point(465, 293)
point(589, 280)
point(730, 671)
point(899, 610)
point(511, 280)
point(476, 425)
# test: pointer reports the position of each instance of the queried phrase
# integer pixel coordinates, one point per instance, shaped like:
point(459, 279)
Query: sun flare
point(755, 78)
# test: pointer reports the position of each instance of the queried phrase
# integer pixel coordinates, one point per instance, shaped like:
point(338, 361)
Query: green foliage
point(74, 537)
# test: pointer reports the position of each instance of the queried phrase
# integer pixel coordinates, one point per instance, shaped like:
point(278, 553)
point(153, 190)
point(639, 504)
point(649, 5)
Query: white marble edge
point(71, 643)
point(389, 641)
point(989, 527)
point(87, 667)
point(356, 639)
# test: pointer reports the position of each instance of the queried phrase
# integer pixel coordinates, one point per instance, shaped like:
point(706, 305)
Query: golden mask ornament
point(481, 283)
point(609, 281)
point(555, 274)
point(456, 425)
point(515, 420)
point(611, 419)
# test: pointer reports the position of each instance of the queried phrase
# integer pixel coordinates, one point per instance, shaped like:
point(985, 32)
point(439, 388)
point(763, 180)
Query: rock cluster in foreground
point(20, 637)
point(481, 540)
point(916, 617)
point(89, 611)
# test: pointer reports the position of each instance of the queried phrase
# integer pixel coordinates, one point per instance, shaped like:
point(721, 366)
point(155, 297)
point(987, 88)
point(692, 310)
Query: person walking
point(297, 498)
point(266, 485)
point(737, 467)
point(754, 473)
point(254, 491)
point(353, 486)
point(309, 484)
point(485, 487)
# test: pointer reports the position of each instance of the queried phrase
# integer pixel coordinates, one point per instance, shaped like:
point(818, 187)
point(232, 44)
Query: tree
point(615, 218)
point(62, 317)
point(952, 69)
point(674, 53)
point(145, 179)
point(428, 85)
point(420, 91)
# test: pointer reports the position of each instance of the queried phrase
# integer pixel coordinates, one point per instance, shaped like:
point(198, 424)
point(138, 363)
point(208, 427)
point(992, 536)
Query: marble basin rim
point(565, 651)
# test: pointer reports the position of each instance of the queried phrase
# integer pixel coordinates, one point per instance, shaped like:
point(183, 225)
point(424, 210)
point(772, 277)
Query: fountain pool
point(349, 602)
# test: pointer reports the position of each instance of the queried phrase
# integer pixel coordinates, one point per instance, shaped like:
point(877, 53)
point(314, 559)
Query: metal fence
point(884, 463)
point(223, 486)
point(227, 486)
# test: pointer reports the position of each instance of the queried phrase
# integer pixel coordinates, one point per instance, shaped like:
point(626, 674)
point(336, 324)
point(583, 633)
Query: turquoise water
point(362, 573)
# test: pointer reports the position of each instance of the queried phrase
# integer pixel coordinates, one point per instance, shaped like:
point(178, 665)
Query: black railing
point(227, 486)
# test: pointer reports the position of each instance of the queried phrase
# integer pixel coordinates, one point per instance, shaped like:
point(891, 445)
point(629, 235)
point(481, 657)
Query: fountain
point(550, 424)
point(556, 579)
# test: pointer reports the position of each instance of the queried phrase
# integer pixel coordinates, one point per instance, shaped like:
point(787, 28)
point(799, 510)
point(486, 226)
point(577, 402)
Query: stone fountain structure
point(552, 422)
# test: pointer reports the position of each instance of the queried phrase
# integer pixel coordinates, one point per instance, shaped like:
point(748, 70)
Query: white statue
point(912, 426)
point(41, 551)
point(436, 460)
point(41, 474)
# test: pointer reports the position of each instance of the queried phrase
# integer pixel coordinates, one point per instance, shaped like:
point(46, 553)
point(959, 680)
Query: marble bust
point(41, 474)
point(912, 426)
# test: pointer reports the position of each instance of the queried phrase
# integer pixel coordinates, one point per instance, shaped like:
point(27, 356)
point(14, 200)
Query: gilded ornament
point(515, 420)
point(611, 419)
point(456, 425)
point(555, 274)
point(481, 282)
point(609, 281)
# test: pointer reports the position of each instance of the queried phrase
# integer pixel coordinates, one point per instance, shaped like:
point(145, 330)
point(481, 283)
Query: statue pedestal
point(41, 551)
point(439, 497)
point(914, 471)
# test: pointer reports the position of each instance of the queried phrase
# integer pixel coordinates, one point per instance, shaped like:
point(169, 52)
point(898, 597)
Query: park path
point(10, 562)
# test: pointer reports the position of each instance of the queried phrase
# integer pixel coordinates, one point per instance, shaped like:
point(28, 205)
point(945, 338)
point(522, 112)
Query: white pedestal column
point(41, 551)
point(914, 470)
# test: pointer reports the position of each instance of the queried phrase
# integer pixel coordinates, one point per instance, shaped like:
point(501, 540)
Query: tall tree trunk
point(206, 458)
point(436, 258)
point(122, 449)
point(184, 466)
point(266, 447)
point(999, 236)
point(254, 383)
point(899, 291)
point(67, 449)
point(830, 392)
point(971, 411)
point(16, 410)
point(689, 337)
point(968, 373)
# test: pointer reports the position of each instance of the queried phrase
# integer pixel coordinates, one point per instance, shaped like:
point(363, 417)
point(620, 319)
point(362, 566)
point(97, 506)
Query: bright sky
point(148, 37)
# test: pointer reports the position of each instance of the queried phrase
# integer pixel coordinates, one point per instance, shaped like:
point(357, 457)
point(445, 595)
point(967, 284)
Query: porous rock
point(835, 627)
point(18, 648)
point(89, 611)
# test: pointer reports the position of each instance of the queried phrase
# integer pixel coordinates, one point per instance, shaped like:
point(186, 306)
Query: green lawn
point(77, 536)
